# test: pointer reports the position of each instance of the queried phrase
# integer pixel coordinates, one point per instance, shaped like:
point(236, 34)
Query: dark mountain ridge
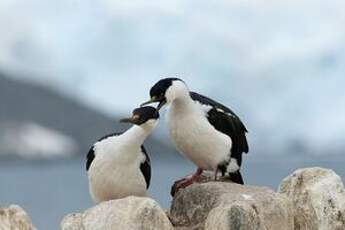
point(22, 102)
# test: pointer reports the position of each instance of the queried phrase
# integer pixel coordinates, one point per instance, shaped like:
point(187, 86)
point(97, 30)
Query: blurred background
point(70, 69)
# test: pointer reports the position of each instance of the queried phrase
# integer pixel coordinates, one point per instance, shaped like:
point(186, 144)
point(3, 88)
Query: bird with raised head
point(206, 132)
point(118, 164)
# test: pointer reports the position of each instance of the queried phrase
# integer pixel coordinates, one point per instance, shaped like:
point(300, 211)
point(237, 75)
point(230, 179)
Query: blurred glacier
point(279, 64)
point(22, 139)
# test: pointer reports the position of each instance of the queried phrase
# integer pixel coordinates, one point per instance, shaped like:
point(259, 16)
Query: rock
point(204, 177)
point(224, 206)
point(14, 218)
point(318, 197)
point(135, 213)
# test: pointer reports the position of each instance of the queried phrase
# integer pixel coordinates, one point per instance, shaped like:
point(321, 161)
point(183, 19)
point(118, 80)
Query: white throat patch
point(178, 89)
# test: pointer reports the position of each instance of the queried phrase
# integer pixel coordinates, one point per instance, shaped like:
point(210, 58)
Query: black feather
point(145, 167)
point(226, 121)
point(89, 158)
point(236, 177)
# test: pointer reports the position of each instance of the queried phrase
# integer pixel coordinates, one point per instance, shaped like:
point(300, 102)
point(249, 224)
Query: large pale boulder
point(319, 199)
point(14, 218)
point(229, 206)
point(134, 213)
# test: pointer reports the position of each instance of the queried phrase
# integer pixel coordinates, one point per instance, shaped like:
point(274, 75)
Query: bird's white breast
point(196, 138)
point(115, 171)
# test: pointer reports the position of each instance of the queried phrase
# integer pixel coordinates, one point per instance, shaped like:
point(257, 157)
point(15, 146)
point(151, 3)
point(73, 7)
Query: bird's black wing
point(226, 121)
point(91, 154)
point(145, 167)
point(89, 158)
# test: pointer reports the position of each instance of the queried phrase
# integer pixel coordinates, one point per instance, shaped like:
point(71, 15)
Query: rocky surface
point(133, 213)
point(221, 205)
point(319, 199)
point(14, 218)
point(308, 199)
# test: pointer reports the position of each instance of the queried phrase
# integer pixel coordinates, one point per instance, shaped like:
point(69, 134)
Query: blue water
point(50, 190)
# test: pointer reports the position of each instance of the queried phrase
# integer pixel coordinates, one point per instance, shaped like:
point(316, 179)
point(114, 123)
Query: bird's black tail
point(236, 177)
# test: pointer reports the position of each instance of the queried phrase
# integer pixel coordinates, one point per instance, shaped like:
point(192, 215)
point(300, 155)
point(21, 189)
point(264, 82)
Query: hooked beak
point(133, 120)
point(152, 100)
point(161, 104)
point(162, 101)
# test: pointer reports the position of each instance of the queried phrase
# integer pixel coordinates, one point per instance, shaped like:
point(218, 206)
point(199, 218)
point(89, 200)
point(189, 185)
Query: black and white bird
point(203, 130)
point(118, 164)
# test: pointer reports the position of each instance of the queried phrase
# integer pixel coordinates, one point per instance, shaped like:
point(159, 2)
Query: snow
point(31, 140)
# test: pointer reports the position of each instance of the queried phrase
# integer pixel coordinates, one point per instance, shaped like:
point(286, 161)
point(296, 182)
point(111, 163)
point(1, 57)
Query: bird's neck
point(185, 104)
point(136, 135)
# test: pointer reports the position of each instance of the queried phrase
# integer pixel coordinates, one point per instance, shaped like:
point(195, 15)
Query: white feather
point(115, 171)
point(193, 135)
point(233, 166)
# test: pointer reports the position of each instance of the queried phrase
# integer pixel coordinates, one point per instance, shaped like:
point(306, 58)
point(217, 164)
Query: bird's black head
point(158, 91)
point(142, 115)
